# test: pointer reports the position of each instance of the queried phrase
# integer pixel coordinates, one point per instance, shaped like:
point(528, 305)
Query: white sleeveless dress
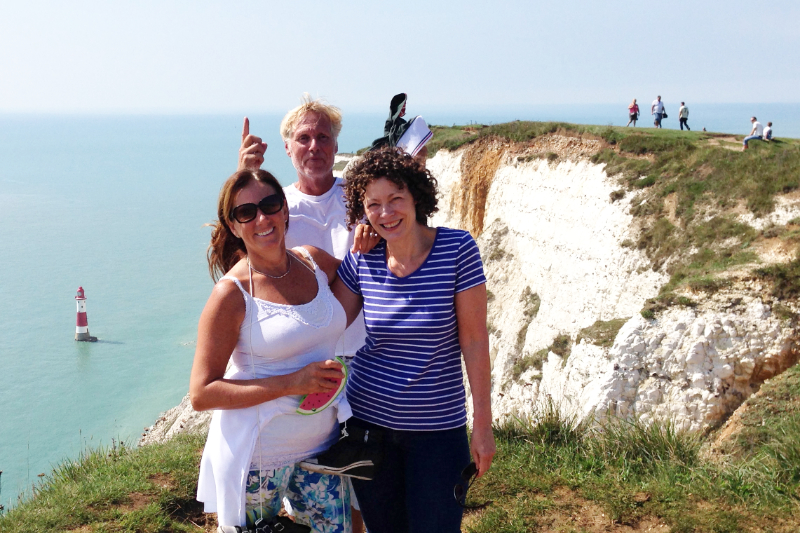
point(284, 339)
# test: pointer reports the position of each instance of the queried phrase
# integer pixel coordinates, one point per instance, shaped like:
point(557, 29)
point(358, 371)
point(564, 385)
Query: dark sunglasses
point(461, 488)
point(269, 205)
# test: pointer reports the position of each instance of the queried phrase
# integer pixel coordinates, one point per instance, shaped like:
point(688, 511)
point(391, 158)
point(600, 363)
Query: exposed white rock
point(696, 366)
point(552, 227)
point(180, 419)
point(787, 207)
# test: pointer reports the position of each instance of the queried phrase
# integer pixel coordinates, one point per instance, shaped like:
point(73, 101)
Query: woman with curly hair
point(424, 297)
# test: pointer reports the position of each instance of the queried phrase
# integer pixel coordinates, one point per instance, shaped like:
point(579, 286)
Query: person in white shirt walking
point(756, 133)
point(657, 110)
point(683, 116)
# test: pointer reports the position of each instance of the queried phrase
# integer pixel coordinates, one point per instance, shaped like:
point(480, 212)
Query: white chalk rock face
point(695, 367)
point(550, 227)
point(552, 245)
point(180, 419)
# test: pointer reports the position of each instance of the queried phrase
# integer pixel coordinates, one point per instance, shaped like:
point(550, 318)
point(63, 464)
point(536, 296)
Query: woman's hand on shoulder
point(324, 260)
point(365, 238)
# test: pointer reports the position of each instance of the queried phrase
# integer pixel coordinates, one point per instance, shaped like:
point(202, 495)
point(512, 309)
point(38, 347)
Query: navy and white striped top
point(408, 374)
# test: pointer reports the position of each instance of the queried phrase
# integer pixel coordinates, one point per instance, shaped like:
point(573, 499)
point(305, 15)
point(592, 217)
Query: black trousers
point(412, 489)
point(683, 123)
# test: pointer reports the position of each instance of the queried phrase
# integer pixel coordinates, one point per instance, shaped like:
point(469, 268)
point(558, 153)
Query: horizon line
point(359, 109)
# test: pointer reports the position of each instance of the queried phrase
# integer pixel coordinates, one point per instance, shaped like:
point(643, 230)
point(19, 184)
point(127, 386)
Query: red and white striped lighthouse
point(82, 324)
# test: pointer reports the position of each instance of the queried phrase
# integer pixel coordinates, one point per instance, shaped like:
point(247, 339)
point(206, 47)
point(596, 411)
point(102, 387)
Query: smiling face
point(312, 147)
point(391, 210)
point(264, 231)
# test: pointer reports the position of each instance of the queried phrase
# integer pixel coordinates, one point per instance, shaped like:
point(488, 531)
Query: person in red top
point(633, 113)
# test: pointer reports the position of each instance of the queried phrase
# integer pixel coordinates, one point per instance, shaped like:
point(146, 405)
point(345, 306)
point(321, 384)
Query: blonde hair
point(310, 105)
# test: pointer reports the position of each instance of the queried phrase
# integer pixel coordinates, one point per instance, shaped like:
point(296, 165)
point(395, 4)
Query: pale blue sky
point(213, 56)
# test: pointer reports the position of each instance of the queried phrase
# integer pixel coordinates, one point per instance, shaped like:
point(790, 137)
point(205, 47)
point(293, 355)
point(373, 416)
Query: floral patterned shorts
point(321, 501)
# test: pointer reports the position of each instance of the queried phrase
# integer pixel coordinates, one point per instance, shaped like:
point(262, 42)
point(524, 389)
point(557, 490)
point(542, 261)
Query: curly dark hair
point(399, 168)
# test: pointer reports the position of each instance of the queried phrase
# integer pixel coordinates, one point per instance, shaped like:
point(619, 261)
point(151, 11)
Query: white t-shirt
point(683, 112)
point(321, 221)
point(759, 128)
point(767, 132)
point(658, 106)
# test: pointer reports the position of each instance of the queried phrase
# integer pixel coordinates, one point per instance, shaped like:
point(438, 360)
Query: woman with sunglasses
point(423, 293)
point(266, 336)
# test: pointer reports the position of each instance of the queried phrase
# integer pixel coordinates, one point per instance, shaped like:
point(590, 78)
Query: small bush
point(530, 309)
point(561, 345)
point(601, 333)
point(663, 301)
point(610, 135)
point(783, 312)
point(523, 363)
point(709, 285)
point(645, 182)
point(785, 278)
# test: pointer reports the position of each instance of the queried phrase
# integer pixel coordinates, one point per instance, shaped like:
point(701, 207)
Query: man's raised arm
point(251, 152)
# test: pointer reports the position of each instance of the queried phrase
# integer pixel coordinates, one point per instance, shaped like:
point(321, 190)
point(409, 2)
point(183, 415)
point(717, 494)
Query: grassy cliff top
point(688, 193)
point(558, 475)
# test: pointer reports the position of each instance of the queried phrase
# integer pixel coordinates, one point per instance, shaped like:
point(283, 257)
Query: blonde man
point(317, 212)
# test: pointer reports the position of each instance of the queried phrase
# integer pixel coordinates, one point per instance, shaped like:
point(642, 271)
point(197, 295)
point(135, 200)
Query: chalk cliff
point(556, 248)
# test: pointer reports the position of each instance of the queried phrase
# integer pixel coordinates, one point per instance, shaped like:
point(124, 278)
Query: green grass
point(547, 467)
point(562, 345)
point(530, 308)
point(602, 332)
point(629, 472)
point(704, 181)
point(785, 278)
point(150, 489)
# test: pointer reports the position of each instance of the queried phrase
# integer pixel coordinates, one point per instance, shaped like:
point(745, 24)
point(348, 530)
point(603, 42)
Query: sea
point(118, 205)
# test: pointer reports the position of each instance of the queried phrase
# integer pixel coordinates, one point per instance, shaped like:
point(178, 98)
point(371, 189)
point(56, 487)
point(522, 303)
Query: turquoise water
point(117, 205)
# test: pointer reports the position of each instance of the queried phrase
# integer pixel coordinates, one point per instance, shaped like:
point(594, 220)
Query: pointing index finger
point(245, 128)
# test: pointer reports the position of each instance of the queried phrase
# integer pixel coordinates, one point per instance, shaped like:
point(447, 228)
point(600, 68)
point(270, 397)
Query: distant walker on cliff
point(657, 110)
point(633, 113)
point(683, 116)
